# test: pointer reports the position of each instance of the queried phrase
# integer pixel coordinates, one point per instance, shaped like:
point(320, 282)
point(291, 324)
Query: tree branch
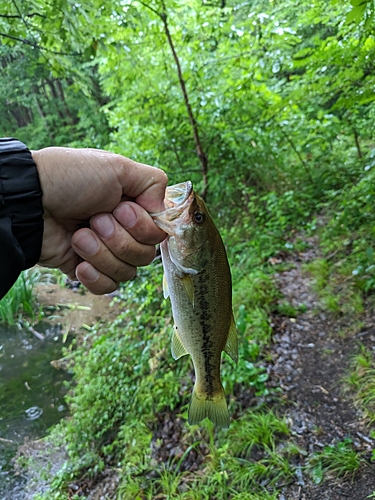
point(291, 142)
point(149, 7)
point(14, 16)
point(198, 144)
point(36, 46)
point(357, 143)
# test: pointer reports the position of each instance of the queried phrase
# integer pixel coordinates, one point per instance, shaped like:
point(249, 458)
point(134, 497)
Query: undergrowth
point(125, 378)
point(251, 456)
point(338, 459)
point(361, 382)
point(345, 273)
point(20, 300)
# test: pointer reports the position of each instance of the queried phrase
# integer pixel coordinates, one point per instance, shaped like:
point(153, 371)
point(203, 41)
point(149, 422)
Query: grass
point(258, 429)
point(231, 469)
point(338, 292)
point(361, 381)
point(20, 299)
point(339, 459)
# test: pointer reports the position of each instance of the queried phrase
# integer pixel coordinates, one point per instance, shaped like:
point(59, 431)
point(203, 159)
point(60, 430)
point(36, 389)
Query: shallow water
point(31, 395)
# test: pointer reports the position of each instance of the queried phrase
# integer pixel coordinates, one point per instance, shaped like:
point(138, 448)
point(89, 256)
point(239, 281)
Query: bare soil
point(311, 355)
point(74, 306)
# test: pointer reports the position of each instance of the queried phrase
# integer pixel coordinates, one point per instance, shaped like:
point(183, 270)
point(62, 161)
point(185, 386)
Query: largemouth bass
point(198, 281)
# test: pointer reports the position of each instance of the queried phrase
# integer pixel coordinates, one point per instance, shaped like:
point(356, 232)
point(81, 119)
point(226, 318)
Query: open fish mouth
point(177, 199)
point(177, 195)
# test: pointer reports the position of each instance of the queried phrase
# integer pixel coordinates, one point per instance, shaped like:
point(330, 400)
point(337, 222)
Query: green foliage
point(257, 429)
point(115, 369)
point(361, 382)
point(254, 294)
point(350, 232)
point(361, 10)
point(337, 294)
point(286, 309)
point(339, 459)
point(20, 300)
point(231, 471)
point(283, 102)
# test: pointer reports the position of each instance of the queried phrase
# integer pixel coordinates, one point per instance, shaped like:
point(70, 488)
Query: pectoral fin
point(188, 286)
point(231, 347)
point(178, 348)
point(165, 287)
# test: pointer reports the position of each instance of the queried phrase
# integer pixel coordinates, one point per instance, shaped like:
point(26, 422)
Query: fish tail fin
point(214, 408)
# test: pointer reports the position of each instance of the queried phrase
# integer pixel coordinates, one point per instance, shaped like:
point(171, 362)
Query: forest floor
point(308, 359)
point(311, 355)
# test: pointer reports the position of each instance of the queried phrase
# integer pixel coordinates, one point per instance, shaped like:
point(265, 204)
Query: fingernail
point(87, 243)
point(126, 216)
point(89, 273)
point(103, 225)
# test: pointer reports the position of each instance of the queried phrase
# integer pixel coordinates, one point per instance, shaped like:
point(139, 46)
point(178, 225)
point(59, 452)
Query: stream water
point(31, 396)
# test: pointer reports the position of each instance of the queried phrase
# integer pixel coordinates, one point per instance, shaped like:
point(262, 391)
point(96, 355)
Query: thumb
point(145, 184)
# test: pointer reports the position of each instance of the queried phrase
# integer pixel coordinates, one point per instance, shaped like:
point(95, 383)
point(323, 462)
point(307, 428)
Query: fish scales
point(203, 338)
point(198, 282)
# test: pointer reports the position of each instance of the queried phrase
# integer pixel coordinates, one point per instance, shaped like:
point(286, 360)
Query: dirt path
point(310, 359)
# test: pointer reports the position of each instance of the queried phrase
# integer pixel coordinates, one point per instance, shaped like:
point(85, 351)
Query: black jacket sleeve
point(21, 211)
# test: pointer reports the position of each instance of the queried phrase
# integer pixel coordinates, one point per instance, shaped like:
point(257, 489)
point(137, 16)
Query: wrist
point(22, 198)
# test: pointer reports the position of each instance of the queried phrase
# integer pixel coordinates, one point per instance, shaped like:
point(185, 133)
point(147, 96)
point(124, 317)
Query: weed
point(338, 293)
point(340, 459)
point(361, 380)
point(330, 301)
point(254, 289)
point(256, 429)
point(319, 270)
point(284, 308)
point(20, 299)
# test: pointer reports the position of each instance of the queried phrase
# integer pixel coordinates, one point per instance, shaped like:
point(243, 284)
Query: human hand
point(96, 222)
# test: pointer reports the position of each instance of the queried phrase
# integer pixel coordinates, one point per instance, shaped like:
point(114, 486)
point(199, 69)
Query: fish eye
point(199, 217)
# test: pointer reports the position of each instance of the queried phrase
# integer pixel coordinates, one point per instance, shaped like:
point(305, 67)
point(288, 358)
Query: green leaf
point(317, 473)
point(356, 14)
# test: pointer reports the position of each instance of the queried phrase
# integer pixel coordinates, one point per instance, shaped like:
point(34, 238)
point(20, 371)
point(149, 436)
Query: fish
point(197, 279)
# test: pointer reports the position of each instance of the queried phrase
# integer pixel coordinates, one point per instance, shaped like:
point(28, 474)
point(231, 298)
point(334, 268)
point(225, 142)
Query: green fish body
point(198, 281)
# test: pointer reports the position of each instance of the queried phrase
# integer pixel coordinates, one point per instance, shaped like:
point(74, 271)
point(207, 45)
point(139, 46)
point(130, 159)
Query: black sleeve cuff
point(21, 212)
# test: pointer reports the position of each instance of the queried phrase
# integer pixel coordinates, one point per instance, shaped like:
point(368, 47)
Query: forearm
point(21, 210)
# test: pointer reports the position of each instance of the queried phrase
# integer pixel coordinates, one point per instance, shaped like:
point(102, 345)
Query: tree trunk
point(55, 95)
point(60, 91)
point(43, 117)
point(357, 143)
point(198, 144)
